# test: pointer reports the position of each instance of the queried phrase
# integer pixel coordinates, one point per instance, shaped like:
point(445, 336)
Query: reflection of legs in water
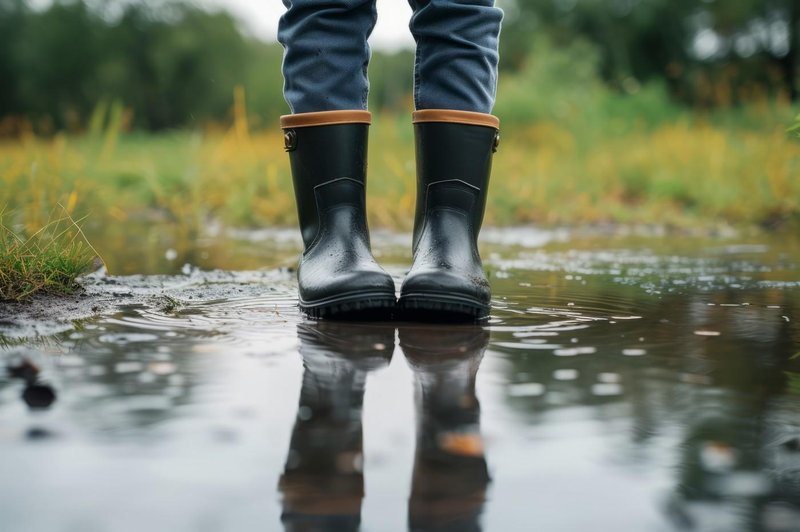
point(450, 473)
point(323, 483)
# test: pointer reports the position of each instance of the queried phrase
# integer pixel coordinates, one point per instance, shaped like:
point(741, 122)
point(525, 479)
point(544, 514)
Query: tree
point(647, 39)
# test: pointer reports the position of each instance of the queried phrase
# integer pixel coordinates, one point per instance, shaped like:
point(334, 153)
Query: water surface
point(631, 382)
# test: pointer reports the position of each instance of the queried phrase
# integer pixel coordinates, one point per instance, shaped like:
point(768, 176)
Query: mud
point(102, 294)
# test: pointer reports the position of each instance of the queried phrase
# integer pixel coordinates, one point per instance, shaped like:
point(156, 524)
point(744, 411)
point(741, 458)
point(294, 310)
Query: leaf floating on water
point(462, 444)
point(707, 333)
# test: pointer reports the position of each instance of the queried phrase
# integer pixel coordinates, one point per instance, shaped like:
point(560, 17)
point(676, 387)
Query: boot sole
point(362, 307)
point(441, 308)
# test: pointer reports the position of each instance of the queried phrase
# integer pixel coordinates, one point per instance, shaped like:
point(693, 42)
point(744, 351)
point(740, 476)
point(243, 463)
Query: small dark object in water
point(23, 369)
point(39, 396)
point(38, 434)
point(792, 444)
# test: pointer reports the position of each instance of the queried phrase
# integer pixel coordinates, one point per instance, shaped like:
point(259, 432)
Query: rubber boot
point(454, 159)
point(450, 478)
point(337, 275)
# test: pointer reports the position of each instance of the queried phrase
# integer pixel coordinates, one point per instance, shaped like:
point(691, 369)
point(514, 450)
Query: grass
point(48, 261)
point(693, 171)
point(795, 128)
point(687, 172)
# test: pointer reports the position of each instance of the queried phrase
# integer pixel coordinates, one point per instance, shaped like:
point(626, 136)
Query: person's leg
point(457, 54)
point(455, 82)
point(326, 53)
point(326, 137)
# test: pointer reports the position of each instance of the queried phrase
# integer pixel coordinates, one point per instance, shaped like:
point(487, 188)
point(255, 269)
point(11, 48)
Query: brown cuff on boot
point(455, 117)
point(326, 118)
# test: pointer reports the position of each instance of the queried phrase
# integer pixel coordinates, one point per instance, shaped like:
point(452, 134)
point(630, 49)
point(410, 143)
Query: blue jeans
point(326, 53)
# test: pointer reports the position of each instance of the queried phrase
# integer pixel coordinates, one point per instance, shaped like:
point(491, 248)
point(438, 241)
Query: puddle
point(638, 383)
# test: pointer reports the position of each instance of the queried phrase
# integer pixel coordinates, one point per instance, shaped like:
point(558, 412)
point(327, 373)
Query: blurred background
point(676, 113)
point(175, 64)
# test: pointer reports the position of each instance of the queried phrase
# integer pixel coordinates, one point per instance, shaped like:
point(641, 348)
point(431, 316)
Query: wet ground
point(624, 382)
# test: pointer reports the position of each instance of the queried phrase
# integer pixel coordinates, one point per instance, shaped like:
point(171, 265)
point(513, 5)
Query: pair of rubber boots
point(338, 276)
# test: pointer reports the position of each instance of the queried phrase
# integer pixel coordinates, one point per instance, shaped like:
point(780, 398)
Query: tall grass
point(794, 130)
point(685, 172)
point(47, 261)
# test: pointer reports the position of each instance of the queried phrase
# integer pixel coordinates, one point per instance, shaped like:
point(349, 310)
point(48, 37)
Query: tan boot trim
point(455, 117)
point(326, 118)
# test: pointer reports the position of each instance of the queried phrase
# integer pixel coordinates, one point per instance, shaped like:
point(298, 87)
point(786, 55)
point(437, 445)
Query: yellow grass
point(682, 173)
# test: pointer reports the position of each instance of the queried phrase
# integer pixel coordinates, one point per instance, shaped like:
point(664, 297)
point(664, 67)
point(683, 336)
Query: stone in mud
point(39, 434)
point(23, 369)
point(792, 444)
point(39, 396)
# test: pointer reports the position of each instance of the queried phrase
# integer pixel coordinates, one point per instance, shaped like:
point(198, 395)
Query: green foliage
point(563, 84)
point(47, 261)
point(794, 130)
point(648, 40)
point(170, 70)
point(170, 63)
point(391, 77)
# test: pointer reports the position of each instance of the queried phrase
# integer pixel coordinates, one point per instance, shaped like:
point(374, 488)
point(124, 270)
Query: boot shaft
point(328, 159)
point(454, 162)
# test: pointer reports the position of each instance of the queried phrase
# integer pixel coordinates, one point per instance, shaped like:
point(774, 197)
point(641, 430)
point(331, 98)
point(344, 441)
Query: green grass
point(794, 130)
point(691, 171)
point(48, 261)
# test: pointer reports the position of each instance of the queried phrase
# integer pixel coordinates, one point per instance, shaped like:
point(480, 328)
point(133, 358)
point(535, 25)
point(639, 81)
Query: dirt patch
point(44, 315)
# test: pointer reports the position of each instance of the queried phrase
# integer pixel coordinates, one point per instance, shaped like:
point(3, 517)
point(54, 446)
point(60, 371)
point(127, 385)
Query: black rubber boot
point(454, 159)
point(337, 275)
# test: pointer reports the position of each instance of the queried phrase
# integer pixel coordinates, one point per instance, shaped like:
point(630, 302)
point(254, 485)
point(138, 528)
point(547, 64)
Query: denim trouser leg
point(326, 53)
point(457, 54)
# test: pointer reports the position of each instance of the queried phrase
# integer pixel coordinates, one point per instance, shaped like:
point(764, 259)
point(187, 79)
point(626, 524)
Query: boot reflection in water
point(323, 483)
point(450, 473)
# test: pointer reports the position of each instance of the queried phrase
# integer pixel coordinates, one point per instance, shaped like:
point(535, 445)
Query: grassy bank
point(49, 260)
point(693, 170)
point(689, 171)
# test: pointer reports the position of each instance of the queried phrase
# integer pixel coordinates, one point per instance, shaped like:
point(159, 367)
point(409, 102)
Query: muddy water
point(638, 383)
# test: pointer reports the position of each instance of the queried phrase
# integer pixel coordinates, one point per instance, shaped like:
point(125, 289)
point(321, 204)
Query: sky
point(260, 17)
